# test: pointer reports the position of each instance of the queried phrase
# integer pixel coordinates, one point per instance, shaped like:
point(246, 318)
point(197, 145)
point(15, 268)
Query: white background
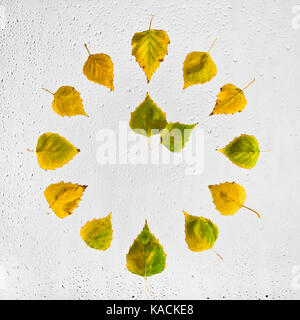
point(43, 256)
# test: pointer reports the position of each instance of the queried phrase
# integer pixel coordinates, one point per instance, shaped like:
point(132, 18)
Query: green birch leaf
point(54, 151)
point(242, 151)
point(97, 233)
point(146, 256)
point(200, 233)
point(147, 119)
point(175, 135)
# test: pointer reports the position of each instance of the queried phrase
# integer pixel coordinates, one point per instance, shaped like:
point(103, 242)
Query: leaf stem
point(29, 150)
point(212, 45)
point(249, 84)
point(87, 49)
point(151, 22)
point(218, 254)
point(147, 287)
point(252, 210)
point(48, 91)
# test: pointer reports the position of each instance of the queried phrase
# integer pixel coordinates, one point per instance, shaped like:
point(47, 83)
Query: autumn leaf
point(63, 197)
point(175, 135)
point(97, 233)
point(67, 102)
point(229, 197)
point(146, 256)
point(200, 233)
point(198, 67)
point(242, 151)
point(147, 119)
point(149, 48)
point(54, 151)
point(99, 69)
point(231, 99)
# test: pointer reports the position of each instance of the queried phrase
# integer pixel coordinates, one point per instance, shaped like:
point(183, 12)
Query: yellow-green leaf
point(146, 256)
point(149, 48)
point(200, 233)
point(147, 119)
point(198, 67)
point(54, 151)
point(97, 233)
point(67, 102)
point(242, 151)
point(229, 197)
point(231, 99)
point(99, 68)
point(63, 197)
point(175, 135)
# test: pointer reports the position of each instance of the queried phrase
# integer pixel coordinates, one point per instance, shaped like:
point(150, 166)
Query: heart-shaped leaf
point(242, 151)
point(67, 102)
point(146, 256)
point(99, 68)
point(97, 233)
point(231, 99)
point(149, 48)
point(229, 197)
point(54, 151)
point(147, 119)
point(175, 135)
point(198, 67)
point(200, 233)
point(63, 197)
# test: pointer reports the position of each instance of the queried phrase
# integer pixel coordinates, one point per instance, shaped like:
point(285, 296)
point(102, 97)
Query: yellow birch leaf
point(99, 68)
point(198, 67)
point(200, 233)
point(231, 99)
point(97, 233)
point(54, 151)
point(149, 48)
point(146, 255)
point(229, 197)
point(67, 102)
point(63, 197)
